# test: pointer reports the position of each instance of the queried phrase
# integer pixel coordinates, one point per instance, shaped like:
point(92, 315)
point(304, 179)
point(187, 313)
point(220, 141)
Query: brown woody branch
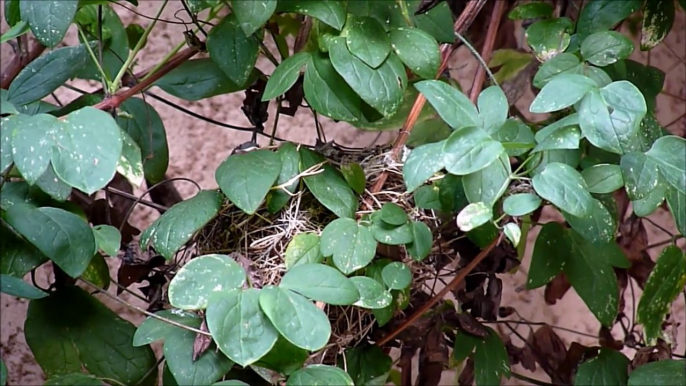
point(487, 50)
point(432, 302)
point(461, 24)
point(116, 100)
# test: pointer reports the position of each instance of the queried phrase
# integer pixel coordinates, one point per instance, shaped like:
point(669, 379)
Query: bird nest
point(258, 242)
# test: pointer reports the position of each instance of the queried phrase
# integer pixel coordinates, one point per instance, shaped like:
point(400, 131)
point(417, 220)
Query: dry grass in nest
point(259, 242)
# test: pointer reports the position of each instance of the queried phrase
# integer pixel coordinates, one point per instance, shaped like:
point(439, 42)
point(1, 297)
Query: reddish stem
point(487, 50)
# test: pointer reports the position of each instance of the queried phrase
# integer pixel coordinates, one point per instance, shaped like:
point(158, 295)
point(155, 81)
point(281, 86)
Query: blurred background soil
point(197, 148)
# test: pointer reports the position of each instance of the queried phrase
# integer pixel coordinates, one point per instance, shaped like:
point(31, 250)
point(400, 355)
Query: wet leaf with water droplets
point(202, 277)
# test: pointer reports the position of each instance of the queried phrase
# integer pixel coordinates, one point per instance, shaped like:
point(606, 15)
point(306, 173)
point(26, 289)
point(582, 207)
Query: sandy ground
point(197, 148)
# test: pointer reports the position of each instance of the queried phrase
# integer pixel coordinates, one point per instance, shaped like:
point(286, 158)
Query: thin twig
point(452, 285)
point(18, 63)
point(460, 26)
point(124, 194)
point(145, 312)
point(530, 380)
point(194, 18)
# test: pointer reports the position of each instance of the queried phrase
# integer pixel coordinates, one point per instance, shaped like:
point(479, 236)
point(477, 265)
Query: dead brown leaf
point(202, 342)
point(556, 289)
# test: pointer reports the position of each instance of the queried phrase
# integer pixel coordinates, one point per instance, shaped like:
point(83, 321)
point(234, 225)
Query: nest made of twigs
point(258, 242)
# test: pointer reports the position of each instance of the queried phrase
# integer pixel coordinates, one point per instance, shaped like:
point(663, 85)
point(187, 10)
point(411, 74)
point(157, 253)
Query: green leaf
point(593, 278)
point(87, 149)
point(515, 136)
point(603, 15)
point(233, 51)
point(488, 184)
point(422, 163)
point(614, 131)
point(382, 88)
point(603, 178)
point(17, 256)
point(285, 75)
point(6, 107)
point(533, 10)
point(521, 204)
point(130, 164)
point(493, 108)
point(367, 40)
point(664, 284)
point(560, 92)
point(328, 93)
point(107, 238)
point(328, 187)
point(669, 152)
point(513, 233)
point(15, 286)
point(322, 283)
point(427, 197)
point(599, 76)
point(564, 63)
point(470, 149)
point(303, 249)
point(320, 375)
point(649, 204)
point(550, 254)
point(491, 361)
point(372, 293)
point(177, 225)
point(453, 106)
point(640, 174)
point(606, 47)
point(48, 72)
point(397, 276)
point(564, 138)
point(464, 345)
point(49, 20)
point(284, 357)
point(677, 205)
point(194, 284)
point(354, 176)
point(610, 367)
point(417, 49)
point(97, 272)
point(70, 329)
point(658, 19)
point(367, 365)
point(451, 194)
point(438, 21)
point(351, 245)
point(422, 241)
point(152, 329)
point(32, 140)
point(663, 373)
point(390, 234)
point(549, 37)
point(80, 379)
point(290, 167)
point(12, 15)
point(210, 367)
point(474, 215)
point(60, 235)
point(239, 327)
point(199, 79)
point(231, 382)
point(393, 214)
point(17, 30)
point(144, 125)
point(252, 15)
point(116, 41)
point(565, 188)
point(648, 79)
point(597, 227)
point(331, 12)
point(296, 318)
point(511, 63)
point(246, 178)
